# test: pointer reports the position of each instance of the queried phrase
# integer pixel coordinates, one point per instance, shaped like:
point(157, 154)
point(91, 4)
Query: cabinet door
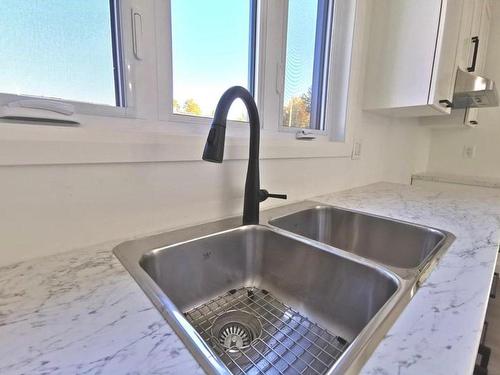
point(464, 43)
point(484, 34)
point(481, 31)
point(478, 37)
point(443, 79)
point(401, 53)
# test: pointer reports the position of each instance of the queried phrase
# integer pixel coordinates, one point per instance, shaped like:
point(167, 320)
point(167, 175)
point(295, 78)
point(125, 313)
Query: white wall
point(446, 154)
point(52, 208)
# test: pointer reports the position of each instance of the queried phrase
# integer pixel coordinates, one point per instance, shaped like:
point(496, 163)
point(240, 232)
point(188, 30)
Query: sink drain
point(251, 332)
point(235, 330)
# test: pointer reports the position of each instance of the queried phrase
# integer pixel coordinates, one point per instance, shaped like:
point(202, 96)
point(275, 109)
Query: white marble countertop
point(81, 313)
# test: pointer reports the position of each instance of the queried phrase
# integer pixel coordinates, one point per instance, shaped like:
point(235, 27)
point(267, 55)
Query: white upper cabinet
point(476, 43)
point(415, 49)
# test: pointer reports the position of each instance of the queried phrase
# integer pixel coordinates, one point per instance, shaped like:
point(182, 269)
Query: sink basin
point(342, 294)
point(313, 292)
point(391, 242)
point(252, 299)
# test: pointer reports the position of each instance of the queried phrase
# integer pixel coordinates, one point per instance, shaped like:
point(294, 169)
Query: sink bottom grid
point(252, 332)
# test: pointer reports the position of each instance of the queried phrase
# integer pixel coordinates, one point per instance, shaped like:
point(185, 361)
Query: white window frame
point(147, 130)
point(271, 30)
point(183, 123)
point(341, 28)
point(95, 109)
point(325, 73)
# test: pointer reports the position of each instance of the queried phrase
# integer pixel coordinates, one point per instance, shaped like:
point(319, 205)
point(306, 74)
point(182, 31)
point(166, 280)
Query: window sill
point(125, 141)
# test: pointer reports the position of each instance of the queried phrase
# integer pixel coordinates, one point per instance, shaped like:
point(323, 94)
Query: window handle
point(475, 41)
point(137, 34)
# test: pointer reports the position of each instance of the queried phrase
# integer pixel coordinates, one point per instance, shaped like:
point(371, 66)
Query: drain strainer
point(235, 330)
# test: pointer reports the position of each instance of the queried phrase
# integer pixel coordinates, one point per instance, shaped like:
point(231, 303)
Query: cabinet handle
point(493, 292)
point(484, 332)
point(475, 41)
point(485, 353)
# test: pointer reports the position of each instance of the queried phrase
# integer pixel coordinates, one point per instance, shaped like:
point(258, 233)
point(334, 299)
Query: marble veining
point(81, 313)
point(439, 331)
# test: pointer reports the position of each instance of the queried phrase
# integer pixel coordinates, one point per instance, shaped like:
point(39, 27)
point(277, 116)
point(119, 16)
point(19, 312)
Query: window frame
point(338, 132)
point(117, 46)
point(321, 62)
point(180, 123)
point(143, 131)
point(122, 107)
point(322, 50)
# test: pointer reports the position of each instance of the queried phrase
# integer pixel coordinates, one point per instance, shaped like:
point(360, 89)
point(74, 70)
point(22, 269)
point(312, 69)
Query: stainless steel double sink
point(311, 292)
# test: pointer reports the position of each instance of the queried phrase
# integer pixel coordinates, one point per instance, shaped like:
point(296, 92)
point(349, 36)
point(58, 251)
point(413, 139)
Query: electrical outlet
point(356, 151)
point(469, 152)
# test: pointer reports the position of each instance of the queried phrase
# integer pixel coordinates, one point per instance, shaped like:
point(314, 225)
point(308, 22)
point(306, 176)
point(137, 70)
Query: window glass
point(306, 59)
point(58, 49)
point(211, 51)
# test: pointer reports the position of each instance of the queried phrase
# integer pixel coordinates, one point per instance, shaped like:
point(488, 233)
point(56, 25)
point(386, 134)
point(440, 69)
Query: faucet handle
point(264, 194)
point(277, 196)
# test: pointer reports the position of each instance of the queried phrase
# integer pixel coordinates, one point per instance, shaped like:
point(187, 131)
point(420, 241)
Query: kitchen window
point(61, 50)
point(306, 63)
point(132, 72)
point(213, 48)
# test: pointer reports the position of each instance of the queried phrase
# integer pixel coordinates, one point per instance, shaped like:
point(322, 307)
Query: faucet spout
point(214, 148)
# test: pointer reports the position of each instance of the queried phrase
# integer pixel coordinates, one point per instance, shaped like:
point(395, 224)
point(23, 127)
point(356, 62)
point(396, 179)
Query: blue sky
point(62, 48)
point(210, 48)
point(57, 48)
